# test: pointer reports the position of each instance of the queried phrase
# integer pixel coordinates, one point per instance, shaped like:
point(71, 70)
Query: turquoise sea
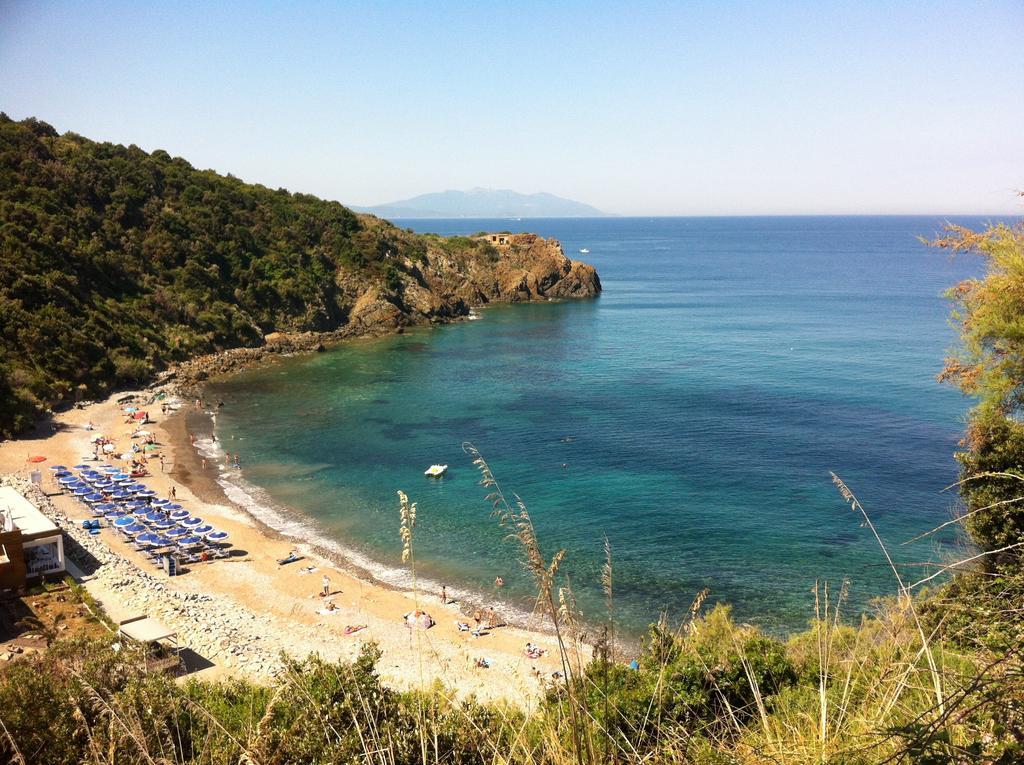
point(691, 414)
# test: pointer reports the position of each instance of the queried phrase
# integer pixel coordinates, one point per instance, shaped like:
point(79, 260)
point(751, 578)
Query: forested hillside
point(115, 262)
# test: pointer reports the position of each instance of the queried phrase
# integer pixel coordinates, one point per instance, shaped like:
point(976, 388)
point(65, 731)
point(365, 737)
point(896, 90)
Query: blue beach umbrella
point(124, 522)
point(192, 522)
point(172, 507)
point(155, 517)
point(57, 468)
point(178, 515)
point(146, 493)
point(164, 525)
point(83, 467)
point(189, 541)
point(118, 514)
point(160, 502)
point(201, 529)
point(217, 536)
point(148, 538)
point(105, 507)
point(93, 498)
point(175, 533)
point(81, 491)
point(162, 542)
point(135, 528)
point(67, 480)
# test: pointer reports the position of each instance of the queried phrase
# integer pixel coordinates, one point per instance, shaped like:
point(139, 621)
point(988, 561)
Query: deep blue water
point(692, 414)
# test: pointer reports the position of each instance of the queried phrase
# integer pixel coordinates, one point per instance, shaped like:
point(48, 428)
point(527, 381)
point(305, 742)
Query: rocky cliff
point(444, 282)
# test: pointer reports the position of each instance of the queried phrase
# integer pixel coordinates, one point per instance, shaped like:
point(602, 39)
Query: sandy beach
point(240, 613)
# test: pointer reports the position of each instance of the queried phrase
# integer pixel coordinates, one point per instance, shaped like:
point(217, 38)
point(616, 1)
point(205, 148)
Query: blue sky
point(647, 109)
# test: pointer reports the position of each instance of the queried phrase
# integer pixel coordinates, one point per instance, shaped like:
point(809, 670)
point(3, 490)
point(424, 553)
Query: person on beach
point(499, 582)
point(477, 616)
point(326, 582)
point(161, 463)
point(492, 618)
point(444, 594)
point(204, 463)
point(174, 492)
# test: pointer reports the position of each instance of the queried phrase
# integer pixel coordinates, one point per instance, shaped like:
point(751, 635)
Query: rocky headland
point(440, 285)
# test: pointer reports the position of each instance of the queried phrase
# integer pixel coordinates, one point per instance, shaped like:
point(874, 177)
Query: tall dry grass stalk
point(826, 627)
point(407, 519)
point(17, 758)
point(608, 590)
point(904, 591)
point(514, 516)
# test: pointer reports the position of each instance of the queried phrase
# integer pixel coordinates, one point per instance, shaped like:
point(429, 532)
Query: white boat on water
point(435, 471)
point(584, 251)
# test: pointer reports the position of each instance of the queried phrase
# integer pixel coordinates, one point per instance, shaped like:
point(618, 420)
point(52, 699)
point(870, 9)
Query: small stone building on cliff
point(505, 239)
point(31, 544)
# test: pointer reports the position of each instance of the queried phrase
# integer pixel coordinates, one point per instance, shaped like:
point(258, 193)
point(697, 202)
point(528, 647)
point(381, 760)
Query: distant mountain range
point(483, 203)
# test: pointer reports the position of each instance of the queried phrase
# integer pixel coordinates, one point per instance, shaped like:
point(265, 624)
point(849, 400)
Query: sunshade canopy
point(146, 630)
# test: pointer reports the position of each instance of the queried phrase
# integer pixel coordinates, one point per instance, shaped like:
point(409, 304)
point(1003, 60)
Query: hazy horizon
point(716, 109)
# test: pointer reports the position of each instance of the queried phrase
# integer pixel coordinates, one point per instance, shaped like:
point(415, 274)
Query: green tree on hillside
point(990, 366)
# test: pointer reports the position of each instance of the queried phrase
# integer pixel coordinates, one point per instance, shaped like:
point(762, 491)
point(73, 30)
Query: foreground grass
point(707, 691)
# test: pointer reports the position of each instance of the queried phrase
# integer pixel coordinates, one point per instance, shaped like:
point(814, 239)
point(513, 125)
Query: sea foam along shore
point(241, 613)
